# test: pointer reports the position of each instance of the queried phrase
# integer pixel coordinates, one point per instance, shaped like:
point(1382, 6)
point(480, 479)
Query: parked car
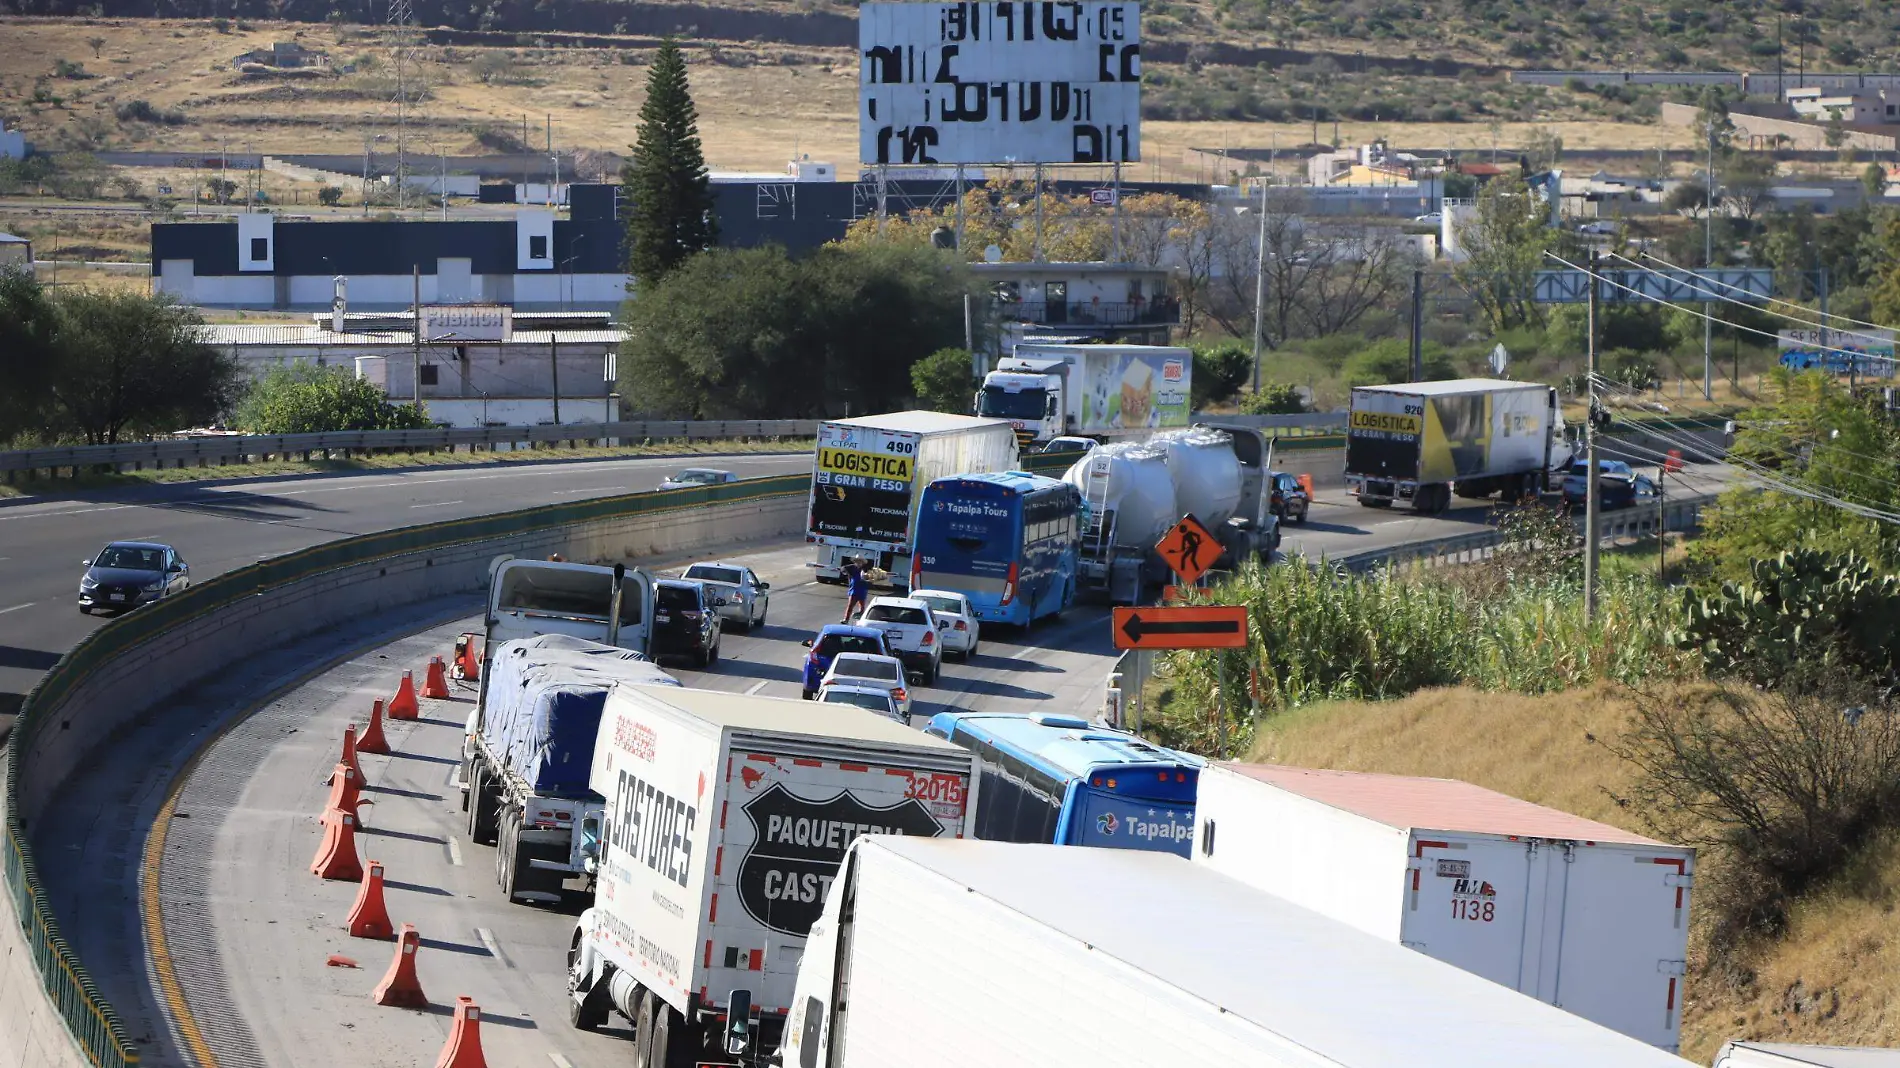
point(686, 621)
point(910, 630)
point(834, 639)
point(956, 620)
point(747, 598)
point(1431, 217)
point(849, 691)
point(867, 669)
point(1290, 500)
point(127, 574)
point(1070, 445)
point(1617, 485)
point(698, 476)
point(1601, 226)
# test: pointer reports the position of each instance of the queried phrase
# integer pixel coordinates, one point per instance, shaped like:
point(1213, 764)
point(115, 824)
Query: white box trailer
point(934, 954)
point(1739, 1054)
point(868, 477)
point(726, 818)
point(1423, 441)
point(1587, 917)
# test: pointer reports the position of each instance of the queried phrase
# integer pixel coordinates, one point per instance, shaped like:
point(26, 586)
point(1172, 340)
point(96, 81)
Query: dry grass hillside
point(1833, 978)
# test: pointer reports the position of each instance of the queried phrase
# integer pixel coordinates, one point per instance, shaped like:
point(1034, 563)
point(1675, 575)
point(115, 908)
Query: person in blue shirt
point(858, 587)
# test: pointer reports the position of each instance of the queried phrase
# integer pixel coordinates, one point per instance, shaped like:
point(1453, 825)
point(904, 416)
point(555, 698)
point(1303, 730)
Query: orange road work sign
point(1189, 548)
point(1196, 627)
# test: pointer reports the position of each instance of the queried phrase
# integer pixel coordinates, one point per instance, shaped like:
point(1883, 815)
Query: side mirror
point(85, 563)
point(720, 602)
point(738, 1022)
point(765, 585)
point(806, 643)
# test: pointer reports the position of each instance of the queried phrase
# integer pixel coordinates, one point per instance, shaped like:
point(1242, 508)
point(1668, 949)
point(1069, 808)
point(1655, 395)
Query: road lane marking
point(488, 939)
point(455, 851)
point(560, 1061)
point(437, 504)
point(757, 686)
point(17, 607)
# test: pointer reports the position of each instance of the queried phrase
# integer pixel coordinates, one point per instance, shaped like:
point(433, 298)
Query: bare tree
point(1364, 268)
point(1288, 265)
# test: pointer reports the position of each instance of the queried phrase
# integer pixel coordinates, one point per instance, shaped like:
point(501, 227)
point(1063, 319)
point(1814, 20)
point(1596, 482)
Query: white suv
point(956, 620)
point(868, 669)
point(910, 630)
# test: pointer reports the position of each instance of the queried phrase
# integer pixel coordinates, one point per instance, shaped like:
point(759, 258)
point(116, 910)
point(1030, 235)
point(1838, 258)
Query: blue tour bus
point(1009, 541)
point(1055, 779)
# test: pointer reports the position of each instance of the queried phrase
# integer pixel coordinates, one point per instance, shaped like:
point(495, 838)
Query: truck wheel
point(586, 1009)
point(1375, 502)
point(643, 1031)
point(483, 810)
point(511, 860)
point(670, 1048)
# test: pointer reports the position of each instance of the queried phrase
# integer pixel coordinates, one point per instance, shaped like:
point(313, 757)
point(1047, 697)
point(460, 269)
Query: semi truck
point(612, 605)
point(726, 818)
point(527, 761)
point(1567, 910)
point(1133, 492)
point(935, 954)
point(1424, 441)
point(869, 474)
point(1047, 391)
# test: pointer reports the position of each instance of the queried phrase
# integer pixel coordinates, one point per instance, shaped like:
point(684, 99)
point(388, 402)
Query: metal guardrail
point(91, 1019)
point(222, 448)
point(1678, 515)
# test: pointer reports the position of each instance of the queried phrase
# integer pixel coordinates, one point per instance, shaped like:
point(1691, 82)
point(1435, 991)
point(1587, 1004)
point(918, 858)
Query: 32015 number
point(1477, 912)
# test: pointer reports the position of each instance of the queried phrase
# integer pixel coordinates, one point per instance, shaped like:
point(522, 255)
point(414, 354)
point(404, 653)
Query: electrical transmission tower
point(401, 21)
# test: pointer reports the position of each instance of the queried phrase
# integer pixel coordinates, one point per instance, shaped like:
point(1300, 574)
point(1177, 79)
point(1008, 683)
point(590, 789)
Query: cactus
point(1803, 608)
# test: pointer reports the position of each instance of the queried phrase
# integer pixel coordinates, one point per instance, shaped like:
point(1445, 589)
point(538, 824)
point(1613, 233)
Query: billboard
point(467, 322)
point(1864, 352)
point(1002, 81)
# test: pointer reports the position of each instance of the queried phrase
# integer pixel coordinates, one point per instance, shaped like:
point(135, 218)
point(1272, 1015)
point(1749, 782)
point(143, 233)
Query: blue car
point(832, 640)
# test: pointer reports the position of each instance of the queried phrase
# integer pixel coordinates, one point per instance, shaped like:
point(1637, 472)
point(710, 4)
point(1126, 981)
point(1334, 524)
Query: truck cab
point(530, 597)
point(1031, 394)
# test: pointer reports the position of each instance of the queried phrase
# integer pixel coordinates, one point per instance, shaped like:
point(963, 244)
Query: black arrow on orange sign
point(1135, 627)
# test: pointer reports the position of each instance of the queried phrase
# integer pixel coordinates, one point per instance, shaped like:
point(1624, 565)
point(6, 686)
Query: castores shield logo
point(1107, 822)
point(798, 844)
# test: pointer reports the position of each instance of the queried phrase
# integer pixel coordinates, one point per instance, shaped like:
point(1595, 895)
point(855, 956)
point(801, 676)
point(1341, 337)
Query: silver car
point(698, 476)
point(747, 599)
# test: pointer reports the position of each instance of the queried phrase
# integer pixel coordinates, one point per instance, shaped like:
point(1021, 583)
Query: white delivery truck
point(1567, 910)
point(1048, 391)
point(529, 756)
point(869, 474)
point(1423, 441)
point(1736, 1053)
point(979, 954)
point(727, 816)
point(612, 605)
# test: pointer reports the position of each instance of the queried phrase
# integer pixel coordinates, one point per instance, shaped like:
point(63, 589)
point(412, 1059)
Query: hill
point(1832, 978)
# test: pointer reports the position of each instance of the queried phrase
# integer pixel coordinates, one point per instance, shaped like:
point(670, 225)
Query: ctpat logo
point(1107, 822)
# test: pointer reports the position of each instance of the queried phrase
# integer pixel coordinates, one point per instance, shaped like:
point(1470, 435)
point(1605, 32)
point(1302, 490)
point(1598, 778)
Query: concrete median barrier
point(50, 1011)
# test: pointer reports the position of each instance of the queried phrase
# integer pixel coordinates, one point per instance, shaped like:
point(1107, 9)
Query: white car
point(910, 630)
point(747, 598)
point(1070, 445)
point(868, 669)
point(1431, 217)
point(874, 698)
point(956, 620)
point(698, 476)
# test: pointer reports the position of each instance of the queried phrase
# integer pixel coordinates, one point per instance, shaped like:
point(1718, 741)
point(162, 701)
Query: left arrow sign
point(1181, 627)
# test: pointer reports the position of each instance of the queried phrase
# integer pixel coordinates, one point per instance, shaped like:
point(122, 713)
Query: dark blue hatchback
point(834, 639)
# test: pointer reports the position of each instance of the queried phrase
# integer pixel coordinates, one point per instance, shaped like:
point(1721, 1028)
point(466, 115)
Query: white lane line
point(590, 489)
point(436, 504)
point(455, 851)
point(560, 1061)
point(488, 939)
point(757, 686)
point(71, 511)
point(17, 607)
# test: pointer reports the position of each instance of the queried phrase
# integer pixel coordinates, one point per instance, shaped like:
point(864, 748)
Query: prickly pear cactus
point(1803, 607)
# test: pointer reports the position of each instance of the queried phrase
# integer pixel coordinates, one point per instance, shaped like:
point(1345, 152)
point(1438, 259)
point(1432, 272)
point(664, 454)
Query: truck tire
point(1375, 502)
point(586, 1009)
point(643, 1031)
point(483, 809)
point(671, 1048)
point(511, 861)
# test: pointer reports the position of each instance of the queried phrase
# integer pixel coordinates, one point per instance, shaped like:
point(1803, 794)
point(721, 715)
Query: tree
point(28, 325)
point(95, 43)
point(1689, 198)
point(128, 362)
point(1745, 180)
point(944, 381)
point(330, 196)
point(306, 398)
point(1543, 150)
point(1873, 181)
point(1504, 245)
point(221, 189)
point(671, 215)
point(1219, 372)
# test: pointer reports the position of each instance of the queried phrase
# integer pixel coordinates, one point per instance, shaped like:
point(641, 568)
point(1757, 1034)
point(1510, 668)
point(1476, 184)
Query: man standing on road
point(858, 586)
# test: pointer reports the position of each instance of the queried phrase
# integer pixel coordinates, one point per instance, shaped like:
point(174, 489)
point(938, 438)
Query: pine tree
point(670, 217)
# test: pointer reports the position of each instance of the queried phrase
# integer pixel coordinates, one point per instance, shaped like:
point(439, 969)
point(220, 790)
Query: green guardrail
point(91, 1019)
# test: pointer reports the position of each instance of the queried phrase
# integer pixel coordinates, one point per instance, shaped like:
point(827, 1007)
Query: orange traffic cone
point(468, 661)
point(369, 917)
point(436, 685)
point(372, 740)
point(349, 750)
point(403, 705)
point(346, 784)
point(400, 987)
point(464, 1047)
point(336, 857)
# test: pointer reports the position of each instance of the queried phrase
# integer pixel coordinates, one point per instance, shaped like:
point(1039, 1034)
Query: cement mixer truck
point(1134, 491)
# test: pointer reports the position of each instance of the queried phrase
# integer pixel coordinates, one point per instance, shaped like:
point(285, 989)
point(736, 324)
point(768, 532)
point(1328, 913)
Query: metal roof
point(9, 239)
point(243, 334)
point(788, 716)
point(1413, 803)
point(1451, 387)
point(1285, 984)
point(919, 422)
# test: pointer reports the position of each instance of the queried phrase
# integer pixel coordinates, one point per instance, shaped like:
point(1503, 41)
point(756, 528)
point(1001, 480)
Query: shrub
point(1219, 372)
point(1803, 608)
point(330, 196)
point(944, 382)
point(305, 399)
point(65, 68)
point(1273, 398)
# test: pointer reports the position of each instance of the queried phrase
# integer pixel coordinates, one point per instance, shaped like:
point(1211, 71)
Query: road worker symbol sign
point(1189, 548)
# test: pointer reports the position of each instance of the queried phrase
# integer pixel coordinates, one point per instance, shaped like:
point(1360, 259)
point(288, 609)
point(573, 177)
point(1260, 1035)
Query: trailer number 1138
point(1464, 908)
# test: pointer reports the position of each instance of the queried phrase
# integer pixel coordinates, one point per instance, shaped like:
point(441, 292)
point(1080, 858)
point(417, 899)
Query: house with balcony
point(1117, 302)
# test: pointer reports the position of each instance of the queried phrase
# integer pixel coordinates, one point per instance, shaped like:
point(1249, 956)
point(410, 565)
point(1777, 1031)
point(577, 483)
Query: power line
point(1775, 481)
point(1772, 300)
point(1710, 425)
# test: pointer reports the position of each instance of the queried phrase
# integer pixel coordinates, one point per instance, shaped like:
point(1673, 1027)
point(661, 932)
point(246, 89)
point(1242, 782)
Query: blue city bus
point(1055, 779)
point(1008, 541)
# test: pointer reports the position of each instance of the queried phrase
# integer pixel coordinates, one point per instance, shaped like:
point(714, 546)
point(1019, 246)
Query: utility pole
point(1115, 191)
point(1037, 257)
point(1418, 326)
point(1708, 262)
point(416, 322)
point(554, 366)
point(1260, 284)
point(1591, 497)
point(1662, 547)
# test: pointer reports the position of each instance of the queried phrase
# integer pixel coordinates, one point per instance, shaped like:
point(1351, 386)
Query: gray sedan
point(747, 598)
